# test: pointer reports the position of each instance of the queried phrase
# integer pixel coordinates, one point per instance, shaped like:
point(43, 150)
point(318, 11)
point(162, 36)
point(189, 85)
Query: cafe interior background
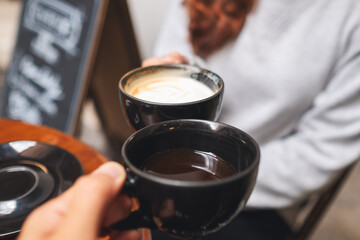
point(340, 221)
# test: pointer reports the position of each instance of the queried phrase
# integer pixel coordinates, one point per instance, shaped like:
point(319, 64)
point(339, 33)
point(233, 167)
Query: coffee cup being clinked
point(191, 177)
point(168, 92)
point(190, 174)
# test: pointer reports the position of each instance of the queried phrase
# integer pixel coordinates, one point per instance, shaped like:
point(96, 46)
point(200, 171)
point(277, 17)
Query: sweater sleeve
point(173, 36)
point(325, 140)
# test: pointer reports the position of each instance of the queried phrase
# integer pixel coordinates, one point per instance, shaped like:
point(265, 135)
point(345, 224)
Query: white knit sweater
point(292, 81)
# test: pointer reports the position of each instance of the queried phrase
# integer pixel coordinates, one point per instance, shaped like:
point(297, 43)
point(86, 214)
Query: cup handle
point(138, 218)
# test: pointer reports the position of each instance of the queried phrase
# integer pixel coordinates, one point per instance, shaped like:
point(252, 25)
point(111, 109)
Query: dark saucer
point(30, 174)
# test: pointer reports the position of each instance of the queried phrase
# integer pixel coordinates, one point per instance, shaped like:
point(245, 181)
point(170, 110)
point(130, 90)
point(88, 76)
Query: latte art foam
point(168, 90)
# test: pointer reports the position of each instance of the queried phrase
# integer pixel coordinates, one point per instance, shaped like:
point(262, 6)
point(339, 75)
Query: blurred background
point(342, 219)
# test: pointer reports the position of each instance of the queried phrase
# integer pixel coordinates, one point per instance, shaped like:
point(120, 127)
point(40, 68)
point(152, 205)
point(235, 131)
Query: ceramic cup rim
point(135, 71)
point(191, 184)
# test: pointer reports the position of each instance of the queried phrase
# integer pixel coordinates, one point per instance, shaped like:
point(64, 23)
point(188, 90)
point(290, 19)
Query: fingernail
point(112, 169)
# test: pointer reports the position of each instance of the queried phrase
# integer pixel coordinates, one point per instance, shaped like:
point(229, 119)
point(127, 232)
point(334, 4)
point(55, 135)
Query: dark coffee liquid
point(188, 165)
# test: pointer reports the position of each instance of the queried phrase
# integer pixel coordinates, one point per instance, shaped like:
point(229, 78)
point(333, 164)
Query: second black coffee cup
point(198, 194)
point(167, 92)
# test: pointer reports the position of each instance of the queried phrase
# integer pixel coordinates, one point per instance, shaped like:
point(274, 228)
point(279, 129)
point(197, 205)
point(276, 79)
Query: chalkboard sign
point(47, 79)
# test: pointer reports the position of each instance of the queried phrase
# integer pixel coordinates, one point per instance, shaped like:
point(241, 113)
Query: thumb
point(90, 196)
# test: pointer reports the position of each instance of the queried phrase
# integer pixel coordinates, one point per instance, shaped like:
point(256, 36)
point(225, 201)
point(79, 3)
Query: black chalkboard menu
point(47, 78)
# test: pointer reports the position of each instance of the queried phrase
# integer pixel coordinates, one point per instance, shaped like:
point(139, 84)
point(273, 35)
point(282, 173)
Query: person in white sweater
point(292, 81)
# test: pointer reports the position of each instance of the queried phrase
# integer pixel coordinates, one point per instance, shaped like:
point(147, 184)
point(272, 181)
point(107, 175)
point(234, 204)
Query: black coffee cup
point(188, 209)
point(140, 113)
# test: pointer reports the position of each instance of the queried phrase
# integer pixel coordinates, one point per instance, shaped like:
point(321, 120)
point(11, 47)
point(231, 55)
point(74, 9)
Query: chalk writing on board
point(34, 78)
point(56, 23)
point(40, 84)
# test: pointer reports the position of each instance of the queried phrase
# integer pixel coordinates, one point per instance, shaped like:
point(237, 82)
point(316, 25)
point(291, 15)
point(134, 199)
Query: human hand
point(84, 210)
point(171, 58)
